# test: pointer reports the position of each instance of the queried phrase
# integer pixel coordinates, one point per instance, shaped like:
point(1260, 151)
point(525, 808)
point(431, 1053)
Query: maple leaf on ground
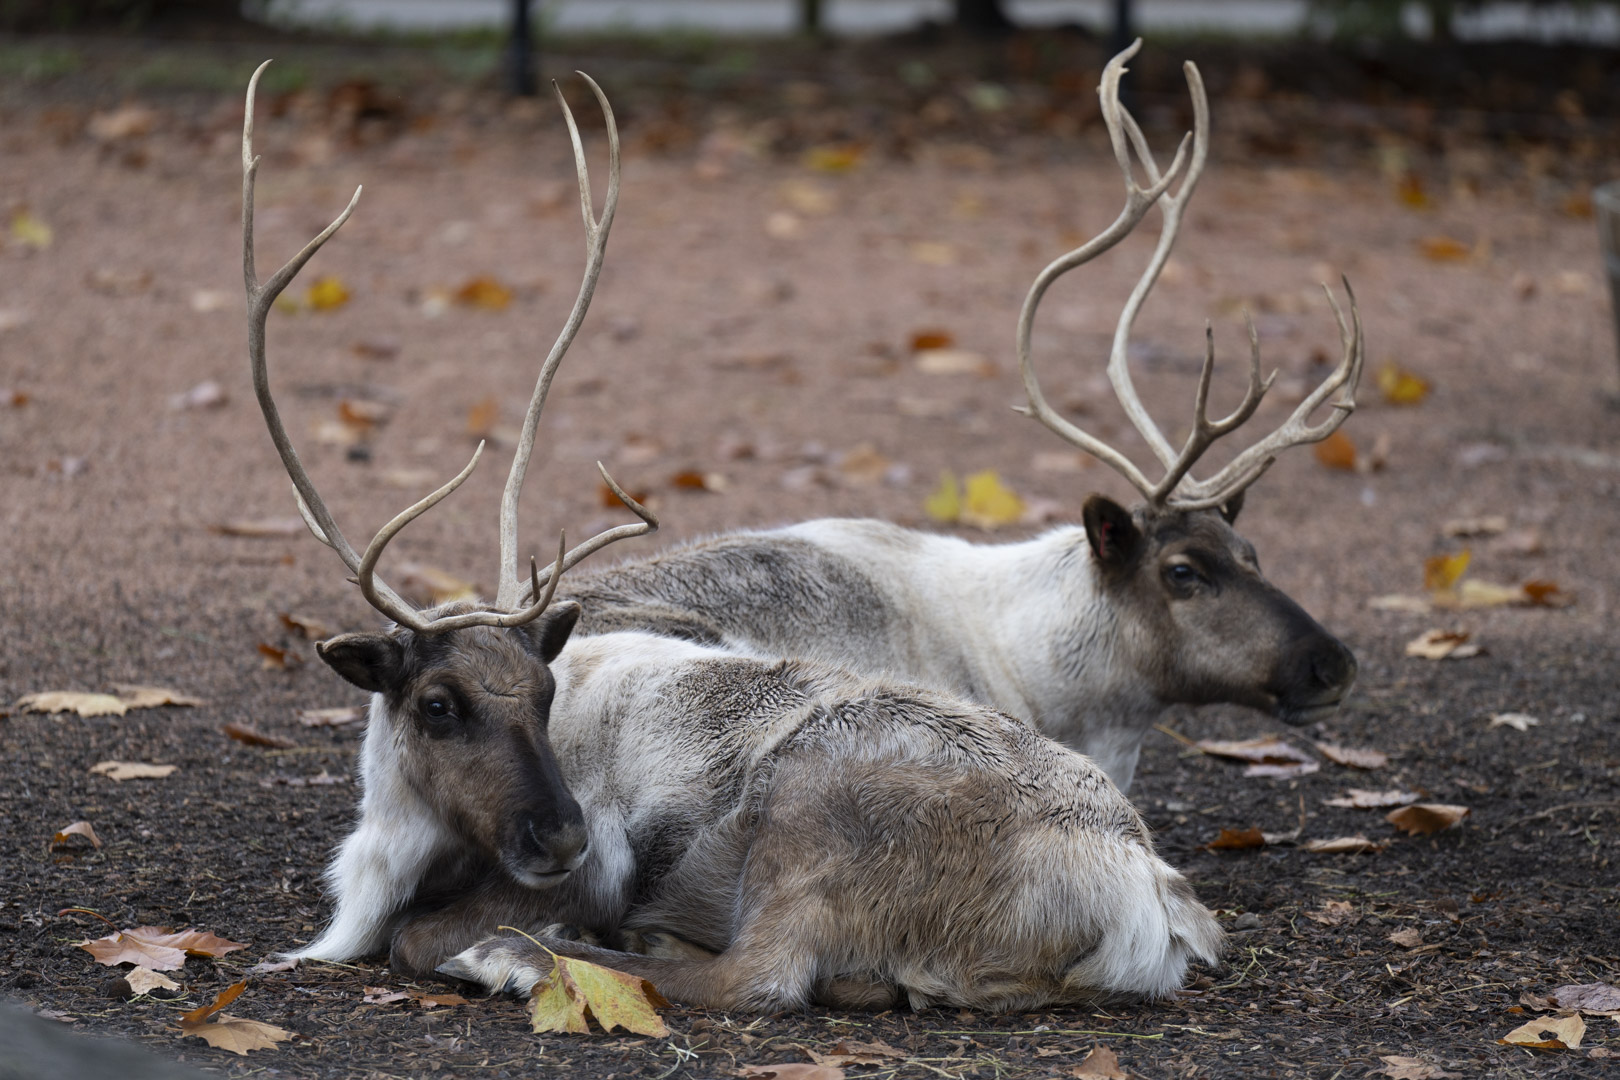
point(87, 705)
point(79, 831)
point(1268, 756)
point(1421, 819)
point(1362, 799)
point(144, 980)
point(1334, 913)
point(1353, 757)
point(129, 947)
point(141, 696)
point(131, 770)
point(1410, 938)
point(1345, 845)
point(235, 1033)
point(1588, 997)
point(1101, 1064)
point(1564, 1033)
point(792, 1070)
point(577, 990)
point(1397, 1067)
point(1237, 840)
point(853, 1052)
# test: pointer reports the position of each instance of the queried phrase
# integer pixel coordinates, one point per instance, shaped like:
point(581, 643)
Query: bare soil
point(755, 321)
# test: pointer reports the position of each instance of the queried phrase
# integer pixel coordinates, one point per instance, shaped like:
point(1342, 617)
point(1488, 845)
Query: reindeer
point(773, 832)
point(1088, 633)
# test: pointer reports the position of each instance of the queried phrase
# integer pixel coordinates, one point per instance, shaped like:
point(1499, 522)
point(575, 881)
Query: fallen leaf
point(1588, 997)
point(1100, 1064)
point(377, 348)
point(1237, 840)
point(1337, 451)
point(423, 582)
point(335, 717)
point(808, 198)
point(132, 770)
point(278, 659)
point(1397, 1067)
point(1490, 525)
point(793, 1070)
point(252, 736)
point(1546, 594)
point(1566, 1034)
point(56, 701)
point(308, 628)
point(1441, 572)
point(1411, 605)
point(864, 465)
point(484, 293)
point(1442, 645)
point(381, 995)
point(1410, 938)
point(434, 1001)
point(988, 504)
point(481, 417)
point(952, 361)
point(1354, 758)
point(1518, 721)
point(144, 980)
point(945, 504)
point(262, 529)
point(326, 293)
point(320, 779)
point(834, 159)
point(205, 301)
point(1421, 819)
point(926, 340)
point(1344, 845)
point(781, 225)
point(1265, 750)
point(1334, 913)
point(129, 947)
point(79, 831)
point(208, 394)
point(236, 1034)
point(30, 231)
point(1409, 190)
point(270, 967)
point(692, 480)
point(1361, 799)
point(576, 989)
point(140, 696)
point(1061, 461)
point(1401, 387)
point(127, 121)
point(933, 253)
point(363, 415)
point(1444, 249)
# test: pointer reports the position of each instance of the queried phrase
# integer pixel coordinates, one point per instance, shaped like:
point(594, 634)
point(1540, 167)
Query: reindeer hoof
point(570, 932)
point(500, 966)
point(663, 945)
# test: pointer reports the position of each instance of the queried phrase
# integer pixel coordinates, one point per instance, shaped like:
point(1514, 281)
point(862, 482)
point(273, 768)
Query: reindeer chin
point(1306, 714)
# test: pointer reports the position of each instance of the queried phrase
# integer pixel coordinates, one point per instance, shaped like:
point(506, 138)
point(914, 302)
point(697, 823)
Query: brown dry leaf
point(1353, 757)
point(1334, 913)
point(1441, 572)
point(141, 696)
point(275, 659)
point(207, 394)
point(434, 1001)
point(320, 779)
point(1409, 190)
point(1444, 249)
point(1518, 721)
point(1362, 799)
point(1282, 772)
point(953, 362)
point(1401, 387)
point(1546, 594)
point(1337, 451)
point(308, 628)
point(692, 480)
point(864, 465)
point(927, 340)
point(335, 717)
point(326, 293)
point(1411, 605)
point(1345, 845)
point(56, 701)
point(1564, 1033)
point(1397, 1067)
point(481, 417)
point(577, 990)
point(484, 293)
point(1463, 528)
point(1265, 750)
point(127, 121)
point(793, 1070)
point(1237, 840)
point(422, 582)
point(1410, 938)
point(1587, 997)
point(79, 831)
point(144, 980)
point(1100, 1064)
point(1442, 645)
point(1421, 819)
point(236, 1034)
point(131, 947)
point(381, 995)
point(933, 253)
point(377, 348)
point(853, 1052)
point(363, 416)
point(131, 770)
point(264, 529)
point(252, 736)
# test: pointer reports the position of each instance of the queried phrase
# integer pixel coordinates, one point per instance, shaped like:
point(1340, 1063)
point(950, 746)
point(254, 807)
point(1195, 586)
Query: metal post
point(520, 53)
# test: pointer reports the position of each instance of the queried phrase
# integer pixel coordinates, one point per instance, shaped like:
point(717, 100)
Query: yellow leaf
point(485, 293)
point(1444, 249)
point(1409, 190)
point(1567, 1033)
point(945, 504)
point(1401, 387)
point(326, 293)
point(834, 159)
point(1441, 572)
point(988, 503)
point(577, 989)
point(30, 232)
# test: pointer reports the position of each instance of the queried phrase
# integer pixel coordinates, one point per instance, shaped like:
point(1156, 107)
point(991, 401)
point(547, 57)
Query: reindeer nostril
point(1333, 667)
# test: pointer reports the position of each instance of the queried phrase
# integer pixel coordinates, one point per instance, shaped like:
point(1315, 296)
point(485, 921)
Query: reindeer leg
point(429, 934)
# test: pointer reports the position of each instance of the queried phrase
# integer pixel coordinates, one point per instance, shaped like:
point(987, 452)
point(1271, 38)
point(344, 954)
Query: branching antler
point(1177, 489)
point(260, 299)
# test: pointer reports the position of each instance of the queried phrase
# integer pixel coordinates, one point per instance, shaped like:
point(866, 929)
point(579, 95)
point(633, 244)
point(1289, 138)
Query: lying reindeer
point(1087, 633)
point(830, 838)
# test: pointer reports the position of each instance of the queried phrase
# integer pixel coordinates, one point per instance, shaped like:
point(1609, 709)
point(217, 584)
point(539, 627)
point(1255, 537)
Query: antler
point(1176, 489)
point(260, 298)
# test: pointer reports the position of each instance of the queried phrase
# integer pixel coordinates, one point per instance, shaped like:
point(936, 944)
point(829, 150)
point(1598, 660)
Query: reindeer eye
point(1182, 574)
point(436, 708)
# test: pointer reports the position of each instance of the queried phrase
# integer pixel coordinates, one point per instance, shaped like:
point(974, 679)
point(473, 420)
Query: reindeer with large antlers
point(1086, 633)
point(771, 832)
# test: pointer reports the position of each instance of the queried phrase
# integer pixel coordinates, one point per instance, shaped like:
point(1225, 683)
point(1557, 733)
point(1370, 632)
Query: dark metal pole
point(520, 53)
point(1119, 39)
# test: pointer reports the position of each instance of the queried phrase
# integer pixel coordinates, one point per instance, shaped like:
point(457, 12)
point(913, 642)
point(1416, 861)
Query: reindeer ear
point(551, 632)
point(1115, 540)
point(372, 662)
point(1230, 508)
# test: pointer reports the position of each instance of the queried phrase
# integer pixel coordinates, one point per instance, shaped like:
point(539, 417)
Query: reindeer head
point(1204, 624)
point(464, 690)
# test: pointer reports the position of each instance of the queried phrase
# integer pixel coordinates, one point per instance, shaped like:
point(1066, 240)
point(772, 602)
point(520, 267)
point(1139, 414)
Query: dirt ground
point(755, 324)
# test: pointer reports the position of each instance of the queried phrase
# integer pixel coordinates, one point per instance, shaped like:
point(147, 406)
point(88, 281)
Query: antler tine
point(509, 594)
point(1125, 135)
point(1204, 430)
point(1249, 465)
point(260, 298)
